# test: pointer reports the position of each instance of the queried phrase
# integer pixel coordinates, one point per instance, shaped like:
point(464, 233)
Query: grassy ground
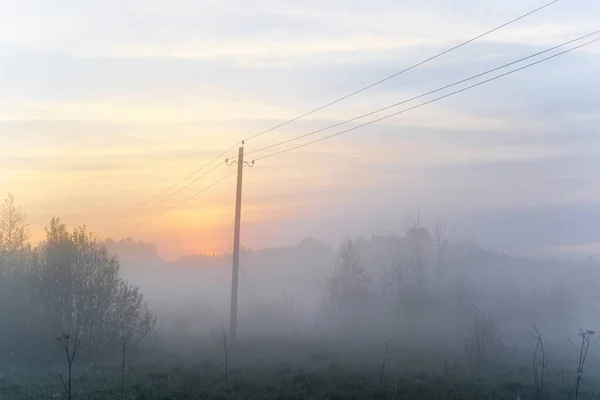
point(295, 370)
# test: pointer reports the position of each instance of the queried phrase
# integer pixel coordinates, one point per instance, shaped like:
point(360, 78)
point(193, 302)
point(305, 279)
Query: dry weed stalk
point(540, 361)
point(572, 390)
point(385, 356)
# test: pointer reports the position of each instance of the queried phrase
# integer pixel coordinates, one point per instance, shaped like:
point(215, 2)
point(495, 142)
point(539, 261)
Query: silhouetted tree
point(13, 226)
point(441, 242)
point(348, 286)
point(14, 257)
point(76, 290)
point(398, 281)
point(420, 244)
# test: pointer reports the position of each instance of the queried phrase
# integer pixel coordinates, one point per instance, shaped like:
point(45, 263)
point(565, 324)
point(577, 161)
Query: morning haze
point(446, 252)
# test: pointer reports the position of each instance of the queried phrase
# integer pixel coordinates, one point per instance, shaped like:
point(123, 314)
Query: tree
point(348, 286)
point(484, 342)
point(76, 290)
point(398, 281)
point(14, 259)
point(420, 244)
point(441, 242)
point(13, 227)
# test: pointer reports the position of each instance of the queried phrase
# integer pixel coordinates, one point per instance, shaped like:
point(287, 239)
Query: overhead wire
point(426, 103)
point(396, 113)
point(312, 133)
point(401, 72)
point(186, 200)
point(135, 210)
point(174, 193)
point(175, 185)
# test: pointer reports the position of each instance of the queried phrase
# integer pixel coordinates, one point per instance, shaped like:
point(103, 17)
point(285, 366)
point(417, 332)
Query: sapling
point(225, 349)
point(385, 355)
point(135, 336)
point(100, 365)
point(70, 348)
point(123, 348)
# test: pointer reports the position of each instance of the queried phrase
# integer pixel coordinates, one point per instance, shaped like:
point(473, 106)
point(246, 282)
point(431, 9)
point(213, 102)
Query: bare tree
point(13, 226)
point(412, 221)
point(349, 283)
point(70, 344)
point(134, 330)
point(460, 289)
point(484, 340)
point(398, 282)
point(587, 341)
point(420, 242)
point(441, 242)
point(14, 260)
point(385, 356)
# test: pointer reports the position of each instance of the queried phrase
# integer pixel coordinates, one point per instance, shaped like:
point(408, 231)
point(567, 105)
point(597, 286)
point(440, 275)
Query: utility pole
point(236, 242)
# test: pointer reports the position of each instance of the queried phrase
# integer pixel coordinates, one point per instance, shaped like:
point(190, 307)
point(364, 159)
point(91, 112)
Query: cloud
point(541, 229)
point(270, 30)
point(156, 111)
point(574, 249)
point(105, 104)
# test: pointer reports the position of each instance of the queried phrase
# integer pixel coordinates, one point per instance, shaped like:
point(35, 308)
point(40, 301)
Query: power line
point(405, 110)
point(394, 114)
point(176, 184)
point(176, 192)
point(186, 200)
point(422, 95)
point(428, 102)
point(400, 72)
point(335, 102)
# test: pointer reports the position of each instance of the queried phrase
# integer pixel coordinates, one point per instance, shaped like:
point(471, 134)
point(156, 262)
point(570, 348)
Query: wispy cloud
point(105, 104)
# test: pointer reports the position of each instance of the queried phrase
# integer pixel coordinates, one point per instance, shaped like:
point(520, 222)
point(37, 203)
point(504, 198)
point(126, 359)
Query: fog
point(405, 288)
point(437, 240)
point(414, 301)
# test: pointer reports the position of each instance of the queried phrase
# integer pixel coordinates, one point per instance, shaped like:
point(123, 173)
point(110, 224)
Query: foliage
point(13, 226)
point(68, 285)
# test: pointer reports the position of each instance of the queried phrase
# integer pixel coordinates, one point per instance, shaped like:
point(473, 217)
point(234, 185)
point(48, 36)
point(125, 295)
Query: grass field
point(298, 369)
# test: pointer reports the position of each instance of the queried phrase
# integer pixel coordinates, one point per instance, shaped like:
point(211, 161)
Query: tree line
point(423, 282)
point(67, 286)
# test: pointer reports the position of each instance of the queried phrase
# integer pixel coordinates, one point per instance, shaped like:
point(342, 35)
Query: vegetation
point(67, 287)
point(304, 369)
point(413, 316)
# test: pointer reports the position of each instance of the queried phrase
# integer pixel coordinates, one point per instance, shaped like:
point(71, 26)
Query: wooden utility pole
point(236, 245)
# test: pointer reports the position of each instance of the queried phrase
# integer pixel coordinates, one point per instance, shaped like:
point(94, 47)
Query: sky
point(104, 105)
